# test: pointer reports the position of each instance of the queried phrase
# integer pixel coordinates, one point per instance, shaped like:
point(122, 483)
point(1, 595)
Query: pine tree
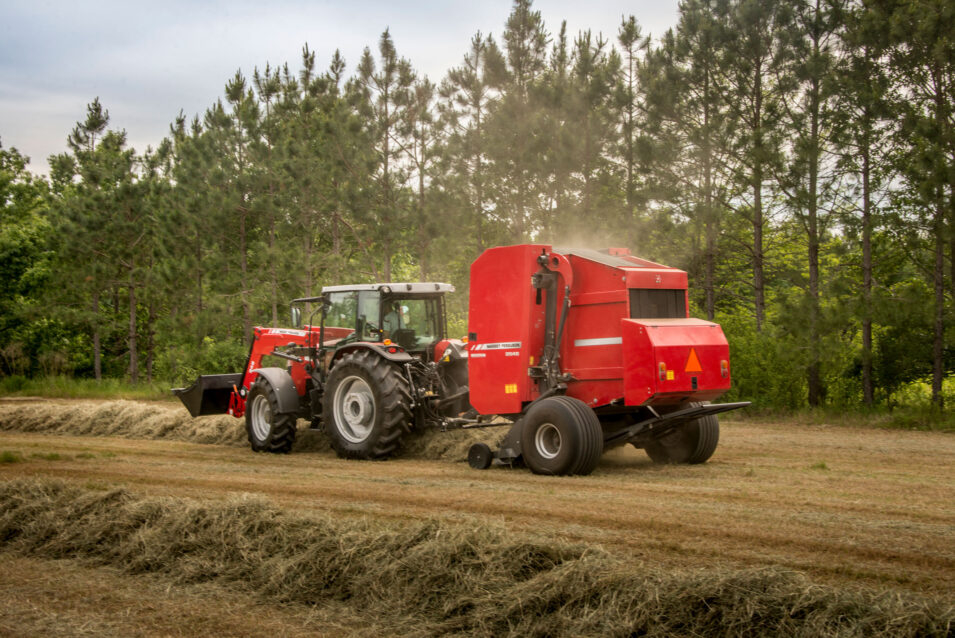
point(918, 38)
point(812, 181)
point(688, 82)
point(516, 145)
point(386, 87)
point(861, 116)
point(756, 54)
point(467, 96)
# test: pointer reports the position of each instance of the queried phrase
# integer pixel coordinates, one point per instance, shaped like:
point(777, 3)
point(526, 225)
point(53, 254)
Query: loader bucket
point(209, 394)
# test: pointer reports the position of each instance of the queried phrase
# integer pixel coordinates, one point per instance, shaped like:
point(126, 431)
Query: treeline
point(797, 158)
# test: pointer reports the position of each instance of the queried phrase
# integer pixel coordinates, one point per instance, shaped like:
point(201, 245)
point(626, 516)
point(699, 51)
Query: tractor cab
point(409, 315)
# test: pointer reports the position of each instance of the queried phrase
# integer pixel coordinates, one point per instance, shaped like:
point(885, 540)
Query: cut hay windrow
point(431, 578)
point(136, 420)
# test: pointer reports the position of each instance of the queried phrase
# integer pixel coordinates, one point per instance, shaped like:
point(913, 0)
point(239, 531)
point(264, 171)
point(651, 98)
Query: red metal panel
point(506, 327)
point(661, 277)
point(647, 343)
point(608, 355)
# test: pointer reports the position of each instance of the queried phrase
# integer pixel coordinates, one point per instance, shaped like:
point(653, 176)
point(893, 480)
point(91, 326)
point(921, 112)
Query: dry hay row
point(130, 419)
point(438, 578)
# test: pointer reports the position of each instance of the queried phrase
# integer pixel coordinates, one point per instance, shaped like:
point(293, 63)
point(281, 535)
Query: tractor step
point(209, 394)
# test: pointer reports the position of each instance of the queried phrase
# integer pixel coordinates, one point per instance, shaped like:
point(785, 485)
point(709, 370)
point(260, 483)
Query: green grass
point(900, 418)
point(62, 387)
point(47, 456)
point(10, 457)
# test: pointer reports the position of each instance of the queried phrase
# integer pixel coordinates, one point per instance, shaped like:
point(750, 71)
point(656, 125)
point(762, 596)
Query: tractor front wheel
point(561, 435)
point(268, 430)
point(366, 407)
point(692, 442)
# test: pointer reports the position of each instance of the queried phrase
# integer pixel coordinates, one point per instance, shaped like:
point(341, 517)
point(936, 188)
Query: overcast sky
point(148, 61)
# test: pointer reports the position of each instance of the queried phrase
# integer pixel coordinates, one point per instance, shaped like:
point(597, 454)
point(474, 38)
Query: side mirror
point(296, 317)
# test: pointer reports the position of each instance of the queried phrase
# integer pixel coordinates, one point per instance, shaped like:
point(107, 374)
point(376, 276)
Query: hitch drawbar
point(663, 422)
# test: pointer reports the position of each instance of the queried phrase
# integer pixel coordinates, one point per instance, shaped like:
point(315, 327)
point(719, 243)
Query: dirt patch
point(432, 577)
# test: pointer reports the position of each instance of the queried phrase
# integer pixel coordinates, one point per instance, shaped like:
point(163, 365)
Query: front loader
point(574, 350)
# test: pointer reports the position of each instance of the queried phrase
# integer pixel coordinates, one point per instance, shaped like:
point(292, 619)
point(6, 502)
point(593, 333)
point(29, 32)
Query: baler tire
point(692, 443)
point(480, 456)
point(372, 382)
point(561, 436)
point(592, 439)
point(267, 429)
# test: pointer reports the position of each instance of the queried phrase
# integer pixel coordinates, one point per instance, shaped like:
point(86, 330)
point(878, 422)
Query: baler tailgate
point(209, 394)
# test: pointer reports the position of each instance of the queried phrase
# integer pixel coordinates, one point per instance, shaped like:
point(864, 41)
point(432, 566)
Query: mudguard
point(285, 392)
point(395, 357)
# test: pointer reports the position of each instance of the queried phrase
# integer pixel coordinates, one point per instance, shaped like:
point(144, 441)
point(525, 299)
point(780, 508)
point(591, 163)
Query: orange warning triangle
point(693, 362)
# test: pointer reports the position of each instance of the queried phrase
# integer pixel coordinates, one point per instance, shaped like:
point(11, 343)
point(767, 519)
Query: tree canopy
point(797, 158)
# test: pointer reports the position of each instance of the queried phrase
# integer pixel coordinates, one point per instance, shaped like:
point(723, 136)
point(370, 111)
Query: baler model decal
point(604, 341)
point(506, 345)
point(693, 362)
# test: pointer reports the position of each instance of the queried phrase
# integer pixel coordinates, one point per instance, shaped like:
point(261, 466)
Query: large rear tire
point(267, 429)
point(692, 443)
point(366, 407)
point(561, 436)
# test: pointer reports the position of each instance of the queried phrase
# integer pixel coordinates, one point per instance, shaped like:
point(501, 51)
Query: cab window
point(412, 323)
point(369, 303)
point(341, 311)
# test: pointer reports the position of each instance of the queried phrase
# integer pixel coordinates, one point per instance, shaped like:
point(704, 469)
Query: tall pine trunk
point(244, 281)
point(133, 352)
point(97, 350)
point(939, 281)
point(758, 283)
point(814, 381)
point(867, 389)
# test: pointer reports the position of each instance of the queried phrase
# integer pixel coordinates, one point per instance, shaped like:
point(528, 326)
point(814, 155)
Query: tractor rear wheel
point(268, 430)
point(692, 442)
point(561, 435)
point(366, 407)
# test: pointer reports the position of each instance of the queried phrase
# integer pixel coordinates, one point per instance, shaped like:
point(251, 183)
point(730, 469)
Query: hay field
point(811, 514)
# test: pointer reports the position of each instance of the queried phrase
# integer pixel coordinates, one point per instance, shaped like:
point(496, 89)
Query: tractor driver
point(396, 319)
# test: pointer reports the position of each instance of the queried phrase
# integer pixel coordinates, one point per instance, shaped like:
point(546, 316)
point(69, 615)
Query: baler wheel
point(267, 429)
point(561, 435)
point(691, 443)
point(480, 456)
point(366, 407)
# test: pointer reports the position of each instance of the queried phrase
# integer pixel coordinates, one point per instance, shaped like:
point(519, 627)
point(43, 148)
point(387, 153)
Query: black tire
point(561, 436)
point(366, 407)
point(690, 443)
point(267, 429)
point(480, 456)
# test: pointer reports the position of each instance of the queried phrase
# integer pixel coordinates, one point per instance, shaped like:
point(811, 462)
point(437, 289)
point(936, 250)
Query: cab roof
point(398, 288)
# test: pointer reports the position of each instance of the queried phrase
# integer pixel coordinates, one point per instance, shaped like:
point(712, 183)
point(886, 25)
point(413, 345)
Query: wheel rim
point(354, 406)
point(261, 417)
point(547, 440)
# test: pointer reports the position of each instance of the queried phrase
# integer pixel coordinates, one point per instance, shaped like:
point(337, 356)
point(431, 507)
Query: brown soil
point(847, 506)
point(67, 598)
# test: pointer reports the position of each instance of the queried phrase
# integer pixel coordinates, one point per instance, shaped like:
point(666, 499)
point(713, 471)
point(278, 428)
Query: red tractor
point(575, 350)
